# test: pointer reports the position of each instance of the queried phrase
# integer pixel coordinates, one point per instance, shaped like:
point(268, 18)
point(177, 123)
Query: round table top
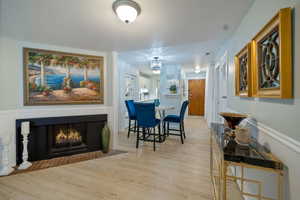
point(164, 108)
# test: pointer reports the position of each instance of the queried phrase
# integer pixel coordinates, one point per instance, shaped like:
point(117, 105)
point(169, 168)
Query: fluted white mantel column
point(25, 130)
point(5, 169)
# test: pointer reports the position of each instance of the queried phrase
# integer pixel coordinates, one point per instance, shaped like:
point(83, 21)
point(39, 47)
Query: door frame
point(220, 99)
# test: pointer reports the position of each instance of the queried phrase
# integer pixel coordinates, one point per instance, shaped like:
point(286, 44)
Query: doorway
point(196, 97)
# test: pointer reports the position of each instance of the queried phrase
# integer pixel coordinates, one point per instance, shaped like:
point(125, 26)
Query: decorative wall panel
point(272, 58)
point(243, 78)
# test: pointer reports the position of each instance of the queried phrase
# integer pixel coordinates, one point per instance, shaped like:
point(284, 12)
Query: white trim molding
point(277, 135)
point(280, 137)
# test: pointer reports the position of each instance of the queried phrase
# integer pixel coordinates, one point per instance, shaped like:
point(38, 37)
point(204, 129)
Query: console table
point(229, 169)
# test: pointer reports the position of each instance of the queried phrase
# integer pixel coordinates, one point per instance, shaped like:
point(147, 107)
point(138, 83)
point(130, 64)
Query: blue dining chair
point(145, 115)
point(179, 119)
point(156, 102)
point(131, 115)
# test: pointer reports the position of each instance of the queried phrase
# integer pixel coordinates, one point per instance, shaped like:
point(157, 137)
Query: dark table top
point(254, 154)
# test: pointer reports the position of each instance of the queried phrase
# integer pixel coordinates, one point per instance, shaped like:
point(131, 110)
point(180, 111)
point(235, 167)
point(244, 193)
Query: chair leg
point(144, 132)
point(183, 129)
point(168, 127)
point(137, 137)
point(154, 139)
point(159, 133)
point(135, 126)
point(164, 129)
point(129, 127)
point(181, 133)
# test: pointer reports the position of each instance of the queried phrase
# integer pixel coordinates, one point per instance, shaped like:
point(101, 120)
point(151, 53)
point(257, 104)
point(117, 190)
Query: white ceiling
point(91, 24)
point(188, 56)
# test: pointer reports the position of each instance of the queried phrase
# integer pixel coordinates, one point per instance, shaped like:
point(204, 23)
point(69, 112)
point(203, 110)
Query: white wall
point(277, 121)
point(126, 70)
point(11, 80)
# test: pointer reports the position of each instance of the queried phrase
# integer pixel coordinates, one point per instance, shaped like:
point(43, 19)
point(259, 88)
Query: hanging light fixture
point(156, 65)
point(126, 10)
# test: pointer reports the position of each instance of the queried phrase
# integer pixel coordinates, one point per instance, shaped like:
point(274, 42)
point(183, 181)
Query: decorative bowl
point(233, 119)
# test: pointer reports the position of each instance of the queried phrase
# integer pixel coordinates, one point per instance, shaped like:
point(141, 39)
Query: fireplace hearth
point(60, 136)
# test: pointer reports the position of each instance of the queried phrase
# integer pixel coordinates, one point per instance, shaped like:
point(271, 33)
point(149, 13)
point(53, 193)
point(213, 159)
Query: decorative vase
point(242, 136)
point(233, 119)
point(105, 139)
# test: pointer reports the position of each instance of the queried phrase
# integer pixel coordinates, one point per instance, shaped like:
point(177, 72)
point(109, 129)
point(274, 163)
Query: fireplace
point(61, 136)
point(67, 138)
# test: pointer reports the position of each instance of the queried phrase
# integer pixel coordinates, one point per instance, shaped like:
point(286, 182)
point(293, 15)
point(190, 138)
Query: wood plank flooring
point(173, 172)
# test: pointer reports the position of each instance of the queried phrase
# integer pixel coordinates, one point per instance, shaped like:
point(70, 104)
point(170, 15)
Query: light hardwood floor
point(173, 172)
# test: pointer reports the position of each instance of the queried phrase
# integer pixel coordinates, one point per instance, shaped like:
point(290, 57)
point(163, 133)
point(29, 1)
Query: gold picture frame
point(58, 78)
point(243, 73)
point(272, 58)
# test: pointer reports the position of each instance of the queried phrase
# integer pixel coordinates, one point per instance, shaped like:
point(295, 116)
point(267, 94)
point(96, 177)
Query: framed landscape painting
point(52, 77)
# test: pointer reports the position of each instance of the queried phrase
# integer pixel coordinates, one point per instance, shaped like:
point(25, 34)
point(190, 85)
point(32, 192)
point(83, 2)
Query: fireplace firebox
point(61, 136)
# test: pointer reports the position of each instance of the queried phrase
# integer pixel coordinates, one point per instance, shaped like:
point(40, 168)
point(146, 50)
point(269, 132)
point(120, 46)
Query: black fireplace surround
point(60, 136)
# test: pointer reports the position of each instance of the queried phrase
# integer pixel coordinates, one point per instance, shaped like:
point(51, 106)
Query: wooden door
point(196, 97)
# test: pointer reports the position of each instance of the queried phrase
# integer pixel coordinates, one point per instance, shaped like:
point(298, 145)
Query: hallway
point(173, 172)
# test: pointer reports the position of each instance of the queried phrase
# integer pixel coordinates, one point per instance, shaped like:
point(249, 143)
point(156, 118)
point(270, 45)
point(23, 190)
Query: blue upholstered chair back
point(156, 102)
point(183, 109)
point(130, 108)
point(145, 114)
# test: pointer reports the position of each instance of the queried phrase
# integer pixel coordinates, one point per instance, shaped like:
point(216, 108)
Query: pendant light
point(156, 65)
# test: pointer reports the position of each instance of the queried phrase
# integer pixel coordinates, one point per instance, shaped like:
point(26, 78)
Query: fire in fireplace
point(66, 137)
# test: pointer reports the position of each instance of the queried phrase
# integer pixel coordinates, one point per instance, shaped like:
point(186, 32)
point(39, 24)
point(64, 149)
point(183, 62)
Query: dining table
point(161, 110)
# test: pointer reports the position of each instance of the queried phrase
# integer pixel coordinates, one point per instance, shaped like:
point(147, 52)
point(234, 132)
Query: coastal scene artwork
point(52, 77)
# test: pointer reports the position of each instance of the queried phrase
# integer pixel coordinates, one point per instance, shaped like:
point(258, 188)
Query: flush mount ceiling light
point(197, 69)
point(156, 65)
point(126, 10)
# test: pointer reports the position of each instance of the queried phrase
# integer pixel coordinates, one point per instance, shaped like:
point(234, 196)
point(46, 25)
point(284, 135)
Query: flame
point(72, 136)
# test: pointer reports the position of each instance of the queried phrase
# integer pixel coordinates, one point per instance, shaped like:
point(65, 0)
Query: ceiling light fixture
point(156, 65)
point(126, 10)
point(197, 69)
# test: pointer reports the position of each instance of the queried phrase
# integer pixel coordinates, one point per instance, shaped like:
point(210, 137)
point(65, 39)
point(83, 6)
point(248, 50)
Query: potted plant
point(46, 91)
point(67, 89)
point(67, 85)
point(173, 89)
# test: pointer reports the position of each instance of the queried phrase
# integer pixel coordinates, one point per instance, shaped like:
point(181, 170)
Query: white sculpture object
point(6, 169)
point(25, 130)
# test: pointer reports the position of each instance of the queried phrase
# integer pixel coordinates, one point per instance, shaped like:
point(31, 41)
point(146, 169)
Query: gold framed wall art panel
point(272, 58)
point(243, 74)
